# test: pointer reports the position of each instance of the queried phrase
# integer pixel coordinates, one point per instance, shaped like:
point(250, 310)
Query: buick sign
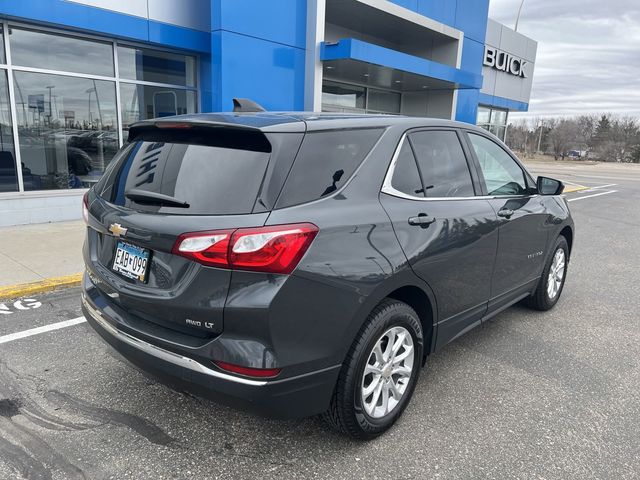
point(505, 62)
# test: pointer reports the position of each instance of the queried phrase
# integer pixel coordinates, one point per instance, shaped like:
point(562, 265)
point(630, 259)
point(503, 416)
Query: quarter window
point(442, 164)
point(502, 175)
point(406, 178)
point(325, 162)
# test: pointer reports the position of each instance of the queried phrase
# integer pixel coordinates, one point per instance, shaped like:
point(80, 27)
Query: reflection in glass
point(343, 95)
point(3, 58)
point(483, 116)
point(60, 52)
point(67, 129)
point(142, 102)
point(499, 117)
point(383, 101)
point(8, 176)
point(156, 66)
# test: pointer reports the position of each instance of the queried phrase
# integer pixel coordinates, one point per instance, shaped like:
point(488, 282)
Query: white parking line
point(37, 331)
point(591, 196)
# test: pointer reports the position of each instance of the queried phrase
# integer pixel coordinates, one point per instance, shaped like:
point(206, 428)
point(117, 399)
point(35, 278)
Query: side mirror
point(549, 186)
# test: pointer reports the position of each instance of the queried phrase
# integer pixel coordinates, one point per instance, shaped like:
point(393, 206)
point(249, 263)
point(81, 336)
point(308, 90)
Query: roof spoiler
point(242, 105)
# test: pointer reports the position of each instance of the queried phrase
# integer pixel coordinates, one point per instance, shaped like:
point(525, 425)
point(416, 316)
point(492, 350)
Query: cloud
point(588, 54)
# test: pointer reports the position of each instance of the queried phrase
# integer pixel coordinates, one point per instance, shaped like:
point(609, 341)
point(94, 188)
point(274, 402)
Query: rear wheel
point(380, 373)
point(553, 276)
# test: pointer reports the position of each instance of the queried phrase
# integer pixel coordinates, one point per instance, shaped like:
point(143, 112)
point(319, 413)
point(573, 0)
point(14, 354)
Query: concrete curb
point(24, 289)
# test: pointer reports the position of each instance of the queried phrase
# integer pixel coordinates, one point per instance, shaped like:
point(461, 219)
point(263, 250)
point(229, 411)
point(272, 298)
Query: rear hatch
point(170, 179)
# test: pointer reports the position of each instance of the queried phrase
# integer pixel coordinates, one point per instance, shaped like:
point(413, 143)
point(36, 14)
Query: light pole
point(518, 17)
point(541, 125)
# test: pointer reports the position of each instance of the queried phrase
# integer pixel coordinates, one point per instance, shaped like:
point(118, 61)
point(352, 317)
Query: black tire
point(346, 413)
point(540, 300)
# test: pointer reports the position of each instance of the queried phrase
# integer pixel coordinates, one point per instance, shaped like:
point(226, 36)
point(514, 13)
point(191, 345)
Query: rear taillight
point(208, 248)
point(273, 249)
point(247, 371)
point(85, 207)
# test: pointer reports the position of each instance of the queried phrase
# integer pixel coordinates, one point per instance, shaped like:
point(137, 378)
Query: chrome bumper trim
point(161, 353)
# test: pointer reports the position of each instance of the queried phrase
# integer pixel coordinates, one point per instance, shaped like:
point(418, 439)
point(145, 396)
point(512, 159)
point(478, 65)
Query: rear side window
point(209, 179)
point(442, 164)
point(326, 161)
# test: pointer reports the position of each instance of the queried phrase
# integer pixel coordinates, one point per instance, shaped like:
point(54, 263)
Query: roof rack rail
point(246, 105)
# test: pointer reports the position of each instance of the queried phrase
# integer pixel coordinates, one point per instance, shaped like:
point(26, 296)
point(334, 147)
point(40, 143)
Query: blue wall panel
point(472, 53)
point(258, 52)
point(410, 4)
point(467, 107)
point(441, 10)
point(501, 102)
point(471, 18)
point(179, 37)
point(270, 73)
point(281, 21)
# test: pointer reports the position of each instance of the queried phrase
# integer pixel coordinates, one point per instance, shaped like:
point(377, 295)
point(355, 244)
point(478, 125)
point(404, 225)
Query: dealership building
point(74, 74)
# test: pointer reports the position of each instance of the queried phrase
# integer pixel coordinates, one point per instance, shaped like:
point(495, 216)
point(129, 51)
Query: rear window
point(209, 178)
point(326, 161)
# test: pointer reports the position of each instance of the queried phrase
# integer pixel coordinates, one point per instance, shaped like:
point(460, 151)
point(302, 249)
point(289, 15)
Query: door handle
point(422, 220)
point(505, 212)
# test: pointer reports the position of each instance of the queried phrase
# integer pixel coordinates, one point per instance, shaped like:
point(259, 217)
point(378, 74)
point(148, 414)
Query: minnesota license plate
point(131, 261)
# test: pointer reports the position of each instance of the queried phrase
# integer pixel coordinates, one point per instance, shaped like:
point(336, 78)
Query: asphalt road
point(552, 395)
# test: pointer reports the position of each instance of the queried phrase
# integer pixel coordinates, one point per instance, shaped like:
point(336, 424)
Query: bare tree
point(605, 137)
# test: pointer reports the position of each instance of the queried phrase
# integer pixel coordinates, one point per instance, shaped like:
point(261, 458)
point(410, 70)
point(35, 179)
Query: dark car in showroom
point(298, 263)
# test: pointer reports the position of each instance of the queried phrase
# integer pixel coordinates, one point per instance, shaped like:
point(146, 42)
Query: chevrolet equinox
point(300, 263)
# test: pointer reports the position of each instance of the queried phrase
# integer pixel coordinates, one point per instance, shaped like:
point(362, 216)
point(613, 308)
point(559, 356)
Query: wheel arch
point(567, 233)
point(406, 287)
point(417, 299)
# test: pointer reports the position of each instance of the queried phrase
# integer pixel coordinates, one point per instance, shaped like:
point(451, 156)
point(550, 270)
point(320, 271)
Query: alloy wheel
point(387, 373)
point(556, 274)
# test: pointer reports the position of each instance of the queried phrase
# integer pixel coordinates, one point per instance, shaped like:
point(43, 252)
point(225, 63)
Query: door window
point(442, 164)
point(502, 175)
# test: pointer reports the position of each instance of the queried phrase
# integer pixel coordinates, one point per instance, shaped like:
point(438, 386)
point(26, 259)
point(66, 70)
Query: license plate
point(131, 261)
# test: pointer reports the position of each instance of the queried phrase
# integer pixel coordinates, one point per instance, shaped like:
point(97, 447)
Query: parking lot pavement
point(526, 395)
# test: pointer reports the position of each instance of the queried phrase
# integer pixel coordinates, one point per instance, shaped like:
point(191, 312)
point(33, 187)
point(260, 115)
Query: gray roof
point(300, 121)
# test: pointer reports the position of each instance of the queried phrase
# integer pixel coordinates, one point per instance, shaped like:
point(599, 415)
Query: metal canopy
point(354, 71)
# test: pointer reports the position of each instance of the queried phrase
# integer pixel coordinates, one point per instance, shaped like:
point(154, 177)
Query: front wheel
point(380, 373)
point(553, 276)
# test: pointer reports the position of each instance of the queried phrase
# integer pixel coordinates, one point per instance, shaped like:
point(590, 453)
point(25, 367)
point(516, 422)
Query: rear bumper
point(294, 397)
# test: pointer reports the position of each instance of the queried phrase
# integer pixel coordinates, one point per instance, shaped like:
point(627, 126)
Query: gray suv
point(299, 264)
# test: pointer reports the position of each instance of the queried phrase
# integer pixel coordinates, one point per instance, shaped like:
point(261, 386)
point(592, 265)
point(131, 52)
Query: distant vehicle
point(299, 264)
point(576, 154)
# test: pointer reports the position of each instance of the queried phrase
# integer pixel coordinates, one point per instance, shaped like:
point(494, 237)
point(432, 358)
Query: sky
point(588, 54)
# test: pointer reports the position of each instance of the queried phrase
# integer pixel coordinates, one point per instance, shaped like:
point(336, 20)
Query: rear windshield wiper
point(151, 198)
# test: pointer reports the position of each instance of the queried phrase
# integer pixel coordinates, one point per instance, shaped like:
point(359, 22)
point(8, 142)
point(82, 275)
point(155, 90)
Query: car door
point(524, 222)
point(448, 235)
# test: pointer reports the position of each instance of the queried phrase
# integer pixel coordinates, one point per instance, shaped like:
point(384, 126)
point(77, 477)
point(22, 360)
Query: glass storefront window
point(156, 66)
point(8, 176)
point(343, 95)
point(494, 120)
point(498, 117)
point(68, 122)
point(30, 48)
point(67, 129)
point(3, 58)
point(484, 115)
point(383, 101)
point(141, 102)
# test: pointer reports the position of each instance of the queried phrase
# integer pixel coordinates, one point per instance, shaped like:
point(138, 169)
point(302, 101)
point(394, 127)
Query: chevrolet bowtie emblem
point(118, 230)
